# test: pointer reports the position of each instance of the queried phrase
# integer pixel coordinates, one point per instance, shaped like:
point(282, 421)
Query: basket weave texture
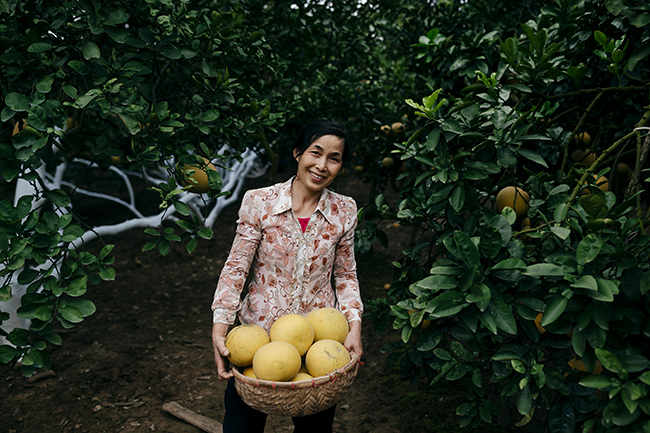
point(305, 397)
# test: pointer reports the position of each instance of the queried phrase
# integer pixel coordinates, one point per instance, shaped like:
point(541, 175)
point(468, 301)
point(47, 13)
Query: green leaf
point(589, 248)
point(438, 282)
point(501, 224)
point(635, 363)
point(490, 243)
point(181, 208)
point(617, 413)
point(594, 203)
point(43, 313)
point(637, 55)
point(606, 291)
point(39, 47)
point(27, 276)
point(107, 274)
point(503, 316)
point(610, 361)
point(45, 84)
point(71, 314)
point(7, 354)
point(561, 232)
point(544, 270)
point(72, 232)
point(132, 125)
point(76, 287)
point(511, 263)
point(562, 418)
point(115, 17)
point(579, 341)
point(554, 310)
point(597, 381)
point(586, 282)
point(91, 51)
point(171, 52)
point(488, 321)
point(106, 250)
point(461, 246)
point(480, 295)
point(205, 233)
point(84, 306)
point(58, 197)
point(17, 102)
point(524, 400)
point(457, 198)
point(533, 156)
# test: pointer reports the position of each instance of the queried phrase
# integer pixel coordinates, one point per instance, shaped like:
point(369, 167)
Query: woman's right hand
point(221, 352)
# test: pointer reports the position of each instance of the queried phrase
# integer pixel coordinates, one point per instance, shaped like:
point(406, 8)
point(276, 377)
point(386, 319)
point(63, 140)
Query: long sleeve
point(345, 270)
point(235, 271)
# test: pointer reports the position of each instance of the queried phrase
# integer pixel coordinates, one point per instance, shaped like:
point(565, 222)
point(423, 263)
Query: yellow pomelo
point(397, 128)
point(294, 329)
point(278, 361)
point(248, 371)
point(301, 376)
point(329, 323)
point(514, 198)
point(18, 127)
point(583, 137)
point(624, 172)
point(584, 157)
point(538, 323)
point(243, 341)
point(303, 369)
point(325, 356)
point(601, 183)
point(577, 364)
point(200, 177)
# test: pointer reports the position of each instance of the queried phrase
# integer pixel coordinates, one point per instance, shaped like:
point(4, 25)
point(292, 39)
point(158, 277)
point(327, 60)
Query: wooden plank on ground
point(204, 423)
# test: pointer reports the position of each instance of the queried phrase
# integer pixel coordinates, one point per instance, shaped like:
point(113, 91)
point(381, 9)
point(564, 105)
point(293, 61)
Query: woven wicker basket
point(305, 397)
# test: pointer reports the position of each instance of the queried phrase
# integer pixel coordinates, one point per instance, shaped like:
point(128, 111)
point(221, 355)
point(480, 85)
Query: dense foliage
point(544, 302)
point(152, 85)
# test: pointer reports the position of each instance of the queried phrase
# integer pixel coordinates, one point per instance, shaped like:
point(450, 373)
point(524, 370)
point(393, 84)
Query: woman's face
point(319, 165)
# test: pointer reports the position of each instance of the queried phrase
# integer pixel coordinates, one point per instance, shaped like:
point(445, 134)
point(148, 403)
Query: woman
point(299, 235)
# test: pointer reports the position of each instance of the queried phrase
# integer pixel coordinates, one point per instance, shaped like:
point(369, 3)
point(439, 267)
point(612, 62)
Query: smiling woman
point(300, 237)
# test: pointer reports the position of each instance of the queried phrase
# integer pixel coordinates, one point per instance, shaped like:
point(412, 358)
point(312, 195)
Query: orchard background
point(541, 306)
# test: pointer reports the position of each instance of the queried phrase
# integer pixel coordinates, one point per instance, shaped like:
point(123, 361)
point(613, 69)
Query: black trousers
point(241, 418)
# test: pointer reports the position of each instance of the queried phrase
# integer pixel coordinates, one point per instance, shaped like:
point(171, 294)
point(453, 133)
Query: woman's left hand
point(353, 340)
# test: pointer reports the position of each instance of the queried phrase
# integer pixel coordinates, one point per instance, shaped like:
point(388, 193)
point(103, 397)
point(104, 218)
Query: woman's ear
point(295, 154)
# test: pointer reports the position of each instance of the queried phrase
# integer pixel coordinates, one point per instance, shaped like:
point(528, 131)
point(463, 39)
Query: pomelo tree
point(148, 95)
point(137, 93)
point(547, 310)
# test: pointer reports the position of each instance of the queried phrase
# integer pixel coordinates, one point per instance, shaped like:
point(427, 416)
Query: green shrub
point(531, 308)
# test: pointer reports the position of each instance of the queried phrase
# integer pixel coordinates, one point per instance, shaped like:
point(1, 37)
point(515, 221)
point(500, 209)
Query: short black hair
point(320, 128)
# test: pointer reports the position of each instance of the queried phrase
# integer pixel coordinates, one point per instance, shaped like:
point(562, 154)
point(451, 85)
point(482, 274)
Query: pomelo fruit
point(243, 341)
point(248, 371)
point(514, 198)
point(294, 329)
point(325, 356)
point(584, 157)
point(301, 376)
point(328, 323)
point(277, 361)
point(199, 178)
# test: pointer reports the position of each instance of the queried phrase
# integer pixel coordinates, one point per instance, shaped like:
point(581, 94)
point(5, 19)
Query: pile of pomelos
point(296, 347)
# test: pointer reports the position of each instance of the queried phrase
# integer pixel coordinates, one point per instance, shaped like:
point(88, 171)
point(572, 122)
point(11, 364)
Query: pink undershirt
point(303, 223)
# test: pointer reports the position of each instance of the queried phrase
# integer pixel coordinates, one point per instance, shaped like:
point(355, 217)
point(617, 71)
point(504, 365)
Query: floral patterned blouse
point(292, 271)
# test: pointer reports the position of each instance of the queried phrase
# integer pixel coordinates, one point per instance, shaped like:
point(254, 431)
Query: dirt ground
point(149, 344)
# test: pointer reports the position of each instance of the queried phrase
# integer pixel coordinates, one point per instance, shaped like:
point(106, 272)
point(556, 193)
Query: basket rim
point(301, 384)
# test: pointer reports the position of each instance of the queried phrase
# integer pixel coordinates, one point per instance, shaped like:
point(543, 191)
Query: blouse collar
point(284, 203)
